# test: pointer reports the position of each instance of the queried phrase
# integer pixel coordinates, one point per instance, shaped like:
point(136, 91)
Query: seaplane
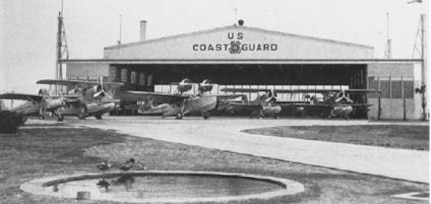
point(336, 103)
point(90, 98)
point(264, 105)
point(39, 105)
point(180, 103)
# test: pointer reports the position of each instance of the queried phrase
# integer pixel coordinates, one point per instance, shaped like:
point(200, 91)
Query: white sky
point(28, 27)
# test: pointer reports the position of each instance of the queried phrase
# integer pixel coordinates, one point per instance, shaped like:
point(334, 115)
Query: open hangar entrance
point(158, 77)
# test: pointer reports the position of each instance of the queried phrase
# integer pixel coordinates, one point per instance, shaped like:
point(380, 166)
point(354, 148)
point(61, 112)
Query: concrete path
point(224, 134)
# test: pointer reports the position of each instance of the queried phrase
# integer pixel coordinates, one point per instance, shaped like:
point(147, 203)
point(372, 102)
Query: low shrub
point(10, 121)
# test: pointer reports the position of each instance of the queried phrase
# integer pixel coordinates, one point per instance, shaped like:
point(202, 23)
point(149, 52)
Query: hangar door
point(396, 83)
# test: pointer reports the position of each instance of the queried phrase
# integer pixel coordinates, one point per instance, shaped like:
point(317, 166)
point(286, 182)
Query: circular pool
point(164, 186)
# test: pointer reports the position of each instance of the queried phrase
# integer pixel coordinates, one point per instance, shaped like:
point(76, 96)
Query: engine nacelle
point(205, 86)
point(43, 92)
point(185, 85)
point(94, 92)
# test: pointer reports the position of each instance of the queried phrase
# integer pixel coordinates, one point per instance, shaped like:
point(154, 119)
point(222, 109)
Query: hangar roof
point(239, 42)
point(245, 28)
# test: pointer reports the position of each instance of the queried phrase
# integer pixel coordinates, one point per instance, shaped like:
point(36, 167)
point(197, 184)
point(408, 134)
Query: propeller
point(205, 86)
point(100, 91)
point(343, 96)
point(271, 95)
point(184, 86)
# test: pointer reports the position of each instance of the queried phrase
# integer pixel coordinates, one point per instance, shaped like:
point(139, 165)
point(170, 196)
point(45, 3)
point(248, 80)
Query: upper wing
point(157, 98)
point(229, 96)
point(15, 96)
point(109, 85)
point(356, 105)
point(361, 91)
point(253, 90)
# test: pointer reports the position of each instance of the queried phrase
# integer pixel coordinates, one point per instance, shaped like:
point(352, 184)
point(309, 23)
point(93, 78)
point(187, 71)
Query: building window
point(124, 75)
point(396, 89)
point(142, 79)
point(391, 87)
point(150, 80)
point(113, 74)
point(133, 77)
point(408, 88)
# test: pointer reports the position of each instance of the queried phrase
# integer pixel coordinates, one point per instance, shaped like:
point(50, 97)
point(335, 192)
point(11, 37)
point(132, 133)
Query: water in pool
point(165, 186)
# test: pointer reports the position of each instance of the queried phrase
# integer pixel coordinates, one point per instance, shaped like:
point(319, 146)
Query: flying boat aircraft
point(336, 103)
point(263, 105)
point(91, 98)
point(39, 105)
point(178, 104)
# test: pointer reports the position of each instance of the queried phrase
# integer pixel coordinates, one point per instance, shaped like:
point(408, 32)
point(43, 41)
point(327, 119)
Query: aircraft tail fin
point(43, 92)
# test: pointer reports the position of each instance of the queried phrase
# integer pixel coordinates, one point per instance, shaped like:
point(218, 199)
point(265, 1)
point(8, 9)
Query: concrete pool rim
point(287, 187)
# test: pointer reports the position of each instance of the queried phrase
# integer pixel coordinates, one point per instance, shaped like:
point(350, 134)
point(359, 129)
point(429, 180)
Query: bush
point(10, 121)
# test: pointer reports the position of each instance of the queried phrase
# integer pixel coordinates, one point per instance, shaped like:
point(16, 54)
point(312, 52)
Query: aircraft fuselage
point(200, 104)
point(27, 108)
point(341, 111)
point(93, 108)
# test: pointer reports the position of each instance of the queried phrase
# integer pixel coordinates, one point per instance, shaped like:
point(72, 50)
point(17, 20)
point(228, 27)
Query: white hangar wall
point(87, 71)
point(239, 42)
point(397, 83)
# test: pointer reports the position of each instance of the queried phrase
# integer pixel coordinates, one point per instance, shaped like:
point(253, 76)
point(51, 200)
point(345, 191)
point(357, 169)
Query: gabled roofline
point(235, 26)
point(244, 61)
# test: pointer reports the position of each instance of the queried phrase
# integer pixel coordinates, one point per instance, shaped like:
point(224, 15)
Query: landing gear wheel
point(275, 116)
point(83, 113)
point(60, 117)
point(179, 116)
point(98, 117)
point(206, 115)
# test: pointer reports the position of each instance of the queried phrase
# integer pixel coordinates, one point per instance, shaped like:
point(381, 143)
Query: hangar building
point(242, 56)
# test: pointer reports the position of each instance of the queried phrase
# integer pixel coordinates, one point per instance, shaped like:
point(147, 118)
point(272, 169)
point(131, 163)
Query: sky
point(28, 27)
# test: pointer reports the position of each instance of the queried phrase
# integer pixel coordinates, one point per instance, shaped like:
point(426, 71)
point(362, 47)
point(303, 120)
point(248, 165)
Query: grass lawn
point(39, 152)
point(395, 136)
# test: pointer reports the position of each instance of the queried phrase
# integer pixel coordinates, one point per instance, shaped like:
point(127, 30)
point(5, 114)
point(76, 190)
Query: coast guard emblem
point(235, 47)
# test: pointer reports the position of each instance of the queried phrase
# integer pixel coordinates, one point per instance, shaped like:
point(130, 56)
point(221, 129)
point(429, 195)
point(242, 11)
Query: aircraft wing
point(157, 98)
point(111, 101)
point(357, 105)
point(245, 106)
point(229, 96)
point(253, 90)
point(109, 85)
point(17, 96)
point(361, 91)
point(320, 105)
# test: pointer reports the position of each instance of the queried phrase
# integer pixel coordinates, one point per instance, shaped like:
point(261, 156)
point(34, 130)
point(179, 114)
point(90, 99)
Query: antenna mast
point(119, 34)
point(422, 50)
point(388, 51)
point(62, 51)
